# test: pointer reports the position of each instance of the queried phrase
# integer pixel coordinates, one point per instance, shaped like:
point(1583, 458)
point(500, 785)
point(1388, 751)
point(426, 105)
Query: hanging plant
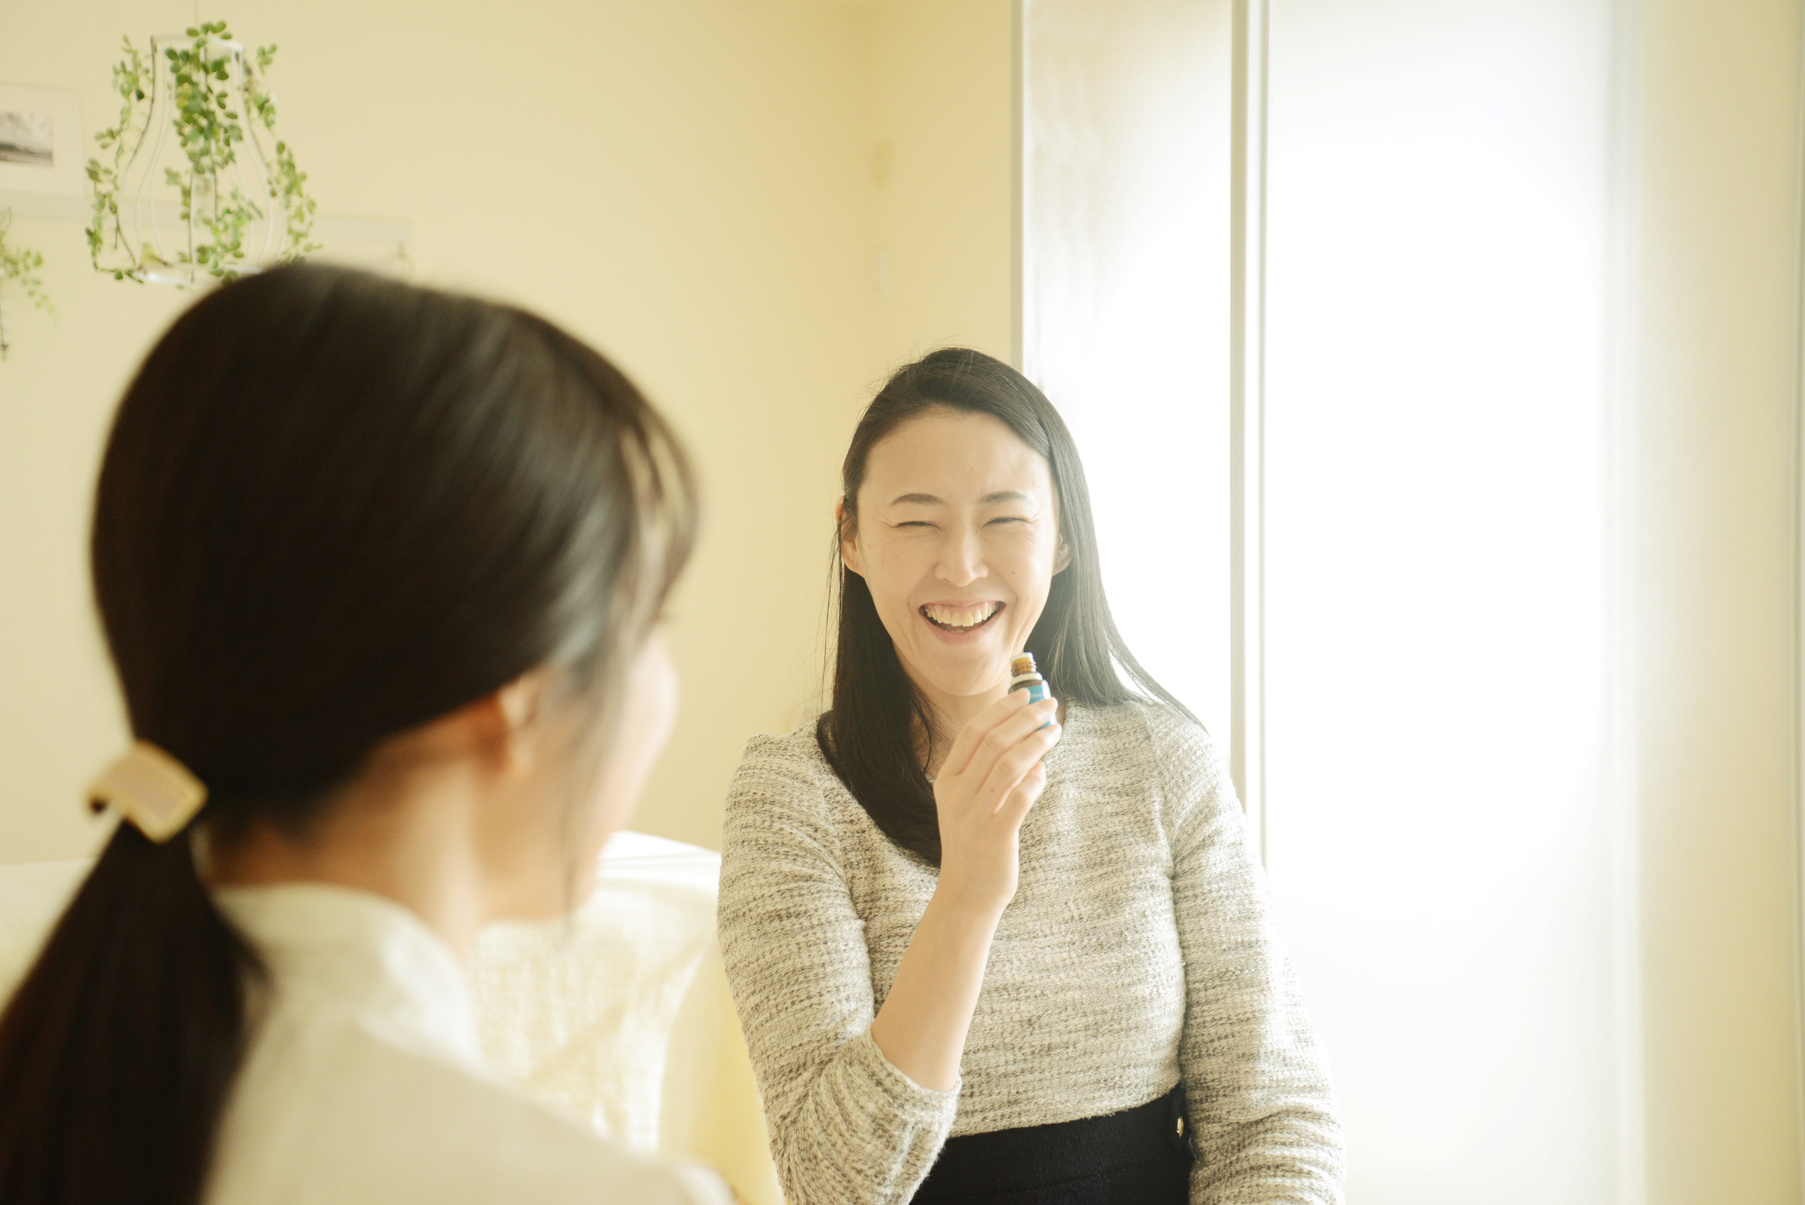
point(19, 266)
point(198, 185)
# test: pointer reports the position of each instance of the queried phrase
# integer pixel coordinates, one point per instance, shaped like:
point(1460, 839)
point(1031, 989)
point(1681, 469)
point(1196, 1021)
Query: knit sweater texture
point(1139, 949)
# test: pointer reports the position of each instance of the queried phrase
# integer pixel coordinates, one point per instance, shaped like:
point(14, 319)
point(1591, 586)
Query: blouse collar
point(334, 950)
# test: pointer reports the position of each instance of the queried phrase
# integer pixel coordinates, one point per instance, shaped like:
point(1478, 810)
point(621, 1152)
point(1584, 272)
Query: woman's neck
point(948, 714)
point(414, 847)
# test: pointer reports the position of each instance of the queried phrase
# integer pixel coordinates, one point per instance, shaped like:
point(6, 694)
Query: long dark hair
point(332, 507)
point(868, 736)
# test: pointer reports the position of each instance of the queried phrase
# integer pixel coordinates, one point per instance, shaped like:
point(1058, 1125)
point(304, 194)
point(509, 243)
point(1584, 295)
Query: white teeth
point(961, 617)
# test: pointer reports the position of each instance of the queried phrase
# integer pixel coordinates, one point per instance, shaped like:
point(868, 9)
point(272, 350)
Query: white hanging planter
point(199, 185)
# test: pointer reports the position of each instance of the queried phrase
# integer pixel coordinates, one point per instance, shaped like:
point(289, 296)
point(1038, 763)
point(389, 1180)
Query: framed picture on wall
point(40, 140)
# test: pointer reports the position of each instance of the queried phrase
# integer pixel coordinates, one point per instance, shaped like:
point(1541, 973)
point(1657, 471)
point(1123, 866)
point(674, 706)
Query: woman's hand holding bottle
point(988, 782)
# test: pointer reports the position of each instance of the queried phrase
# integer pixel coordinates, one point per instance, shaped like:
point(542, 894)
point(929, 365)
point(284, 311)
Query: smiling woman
point(959, 427)
point(1024, 944)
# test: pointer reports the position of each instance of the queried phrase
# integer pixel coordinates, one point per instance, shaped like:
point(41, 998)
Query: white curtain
point(1431, 562)
point(1125, 189)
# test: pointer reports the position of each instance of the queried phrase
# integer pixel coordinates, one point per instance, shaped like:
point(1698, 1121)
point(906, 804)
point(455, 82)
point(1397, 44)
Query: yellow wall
point(1713, 433)
point(687, 183)
point(945, 227)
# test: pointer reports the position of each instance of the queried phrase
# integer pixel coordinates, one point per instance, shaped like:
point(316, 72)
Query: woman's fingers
point(1001, 734)
point(972, 736)
point(1016, 805)
point(1015, 763)
point(983, 801)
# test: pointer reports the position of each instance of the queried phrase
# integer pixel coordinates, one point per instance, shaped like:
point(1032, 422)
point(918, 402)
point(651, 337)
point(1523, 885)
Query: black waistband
point(1022, 1159)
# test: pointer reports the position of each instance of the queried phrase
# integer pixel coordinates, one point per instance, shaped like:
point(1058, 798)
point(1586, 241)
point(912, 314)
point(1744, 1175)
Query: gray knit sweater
point(1139, 948)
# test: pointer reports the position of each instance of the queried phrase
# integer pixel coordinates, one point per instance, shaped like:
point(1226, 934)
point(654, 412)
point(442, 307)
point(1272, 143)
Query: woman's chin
point(957, 664)
point(977, 672)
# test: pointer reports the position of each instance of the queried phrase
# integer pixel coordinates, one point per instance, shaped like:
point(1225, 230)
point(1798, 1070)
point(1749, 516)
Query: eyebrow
point(931, 500)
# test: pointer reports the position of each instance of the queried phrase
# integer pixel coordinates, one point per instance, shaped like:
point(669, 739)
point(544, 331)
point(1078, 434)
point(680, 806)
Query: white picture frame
point(41, 141)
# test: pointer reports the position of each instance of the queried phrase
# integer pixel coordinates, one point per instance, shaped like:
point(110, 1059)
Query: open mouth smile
point(963, 618)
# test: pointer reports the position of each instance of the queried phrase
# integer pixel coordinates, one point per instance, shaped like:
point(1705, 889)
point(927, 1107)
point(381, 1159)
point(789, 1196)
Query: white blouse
point(364, 1081)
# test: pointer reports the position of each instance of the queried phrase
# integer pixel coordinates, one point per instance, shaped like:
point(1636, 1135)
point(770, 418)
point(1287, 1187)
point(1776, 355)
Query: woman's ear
point(501, 723)
point(849, 538)
point(519, 700)
point(1062, 556)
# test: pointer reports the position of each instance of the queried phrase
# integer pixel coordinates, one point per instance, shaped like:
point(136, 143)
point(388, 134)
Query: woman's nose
point(961, 559)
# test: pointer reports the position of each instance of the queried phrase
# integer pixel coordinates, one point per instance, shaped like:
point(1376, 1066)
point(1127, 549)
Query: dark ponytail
point(332, 508)
point(869, 735)
point(118, 1049)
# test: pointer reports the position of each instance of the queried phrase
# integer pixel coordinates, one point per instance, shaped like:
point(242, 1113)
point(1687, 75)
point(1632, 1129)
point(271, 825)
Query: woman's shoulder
point(787, 764)
point(784, 784)
point(510, 1138)
point(553, 1157)
point(796, 747)
point(1154, 741)
point(1126, 729)
point(352, 1115)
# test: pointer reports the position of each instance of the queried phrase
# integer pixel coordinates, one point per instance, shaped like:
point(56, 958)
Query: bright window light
point(1436, 819)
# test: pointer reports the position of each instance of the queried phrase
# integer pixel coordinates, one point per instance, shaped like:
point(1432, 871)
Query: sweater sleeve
point(1256, 1078)
point(846, 1127)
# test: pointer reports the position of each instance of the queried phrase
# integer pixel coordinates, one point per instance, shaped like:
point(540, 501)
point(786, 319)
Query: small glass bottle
point(1023, 673)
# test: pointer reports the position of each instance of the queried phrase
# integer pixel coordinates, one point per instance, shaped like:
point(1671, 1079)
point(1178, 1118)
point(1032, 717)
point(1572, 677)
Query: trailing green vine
point(211, 132)
point(130, 78)
point(19, 266)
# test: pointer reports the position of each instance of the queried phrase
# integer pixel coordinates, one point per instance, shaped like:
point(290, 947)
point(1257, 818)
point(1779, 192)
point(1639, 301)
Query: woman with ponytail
point(380, 570)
